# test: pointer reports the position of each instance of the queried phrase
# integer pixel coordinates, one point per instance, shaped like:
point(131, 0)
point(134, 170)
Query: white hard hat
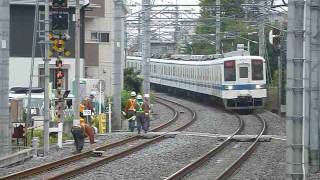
point(133, 93)
point(146, 95)
point(139, 97)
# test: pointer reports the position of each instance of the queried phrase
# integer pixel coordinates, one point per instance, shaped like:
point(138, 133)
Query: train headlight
point(260, 86)
point(228, 87)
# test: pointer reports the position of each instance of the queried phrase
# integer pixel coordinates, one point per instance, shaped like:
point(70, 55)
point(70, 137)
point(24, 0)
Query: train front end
point(244, 83)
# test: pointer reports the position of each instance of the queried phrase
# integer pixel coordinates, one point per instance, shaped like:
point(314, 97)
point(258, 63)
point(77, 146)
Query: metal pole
point(279, 85)
point(218, 27)
point(146, 46)
point(116, 63)
point(262, 34)
point(100, 96)
point(46, 82)
point(176, 28)
point(295, 89)
point(76, 106)
point(34, 45)
point(5, 136)
point(313, 67)
point(248, 47)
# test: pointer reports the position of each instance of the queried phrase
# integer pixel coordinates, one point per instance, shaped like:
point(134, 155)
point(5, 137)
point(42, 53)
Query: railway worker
point(77, 133)
point(140, 114)
point(146, 109)
point(130, 111)
point(88, 131)
point(80, 132)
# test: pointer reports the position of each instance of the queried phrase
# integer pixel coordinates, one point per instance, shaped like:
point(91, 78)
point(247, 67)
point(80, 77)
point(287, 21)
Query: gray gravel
point(252, 125)
point(268, 161)
point(210, 120)
point(155, 162)
point(57, 154)
point(216, 165)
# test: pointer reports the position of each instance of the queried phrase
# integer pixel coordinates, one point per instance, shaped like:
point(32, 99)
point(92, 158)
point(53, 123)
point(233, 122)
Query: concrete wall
point(103, 70)
point(19, 70)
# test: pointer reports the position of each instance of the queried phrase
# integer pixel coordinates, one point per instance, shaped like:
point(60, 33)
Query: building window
point(100, 36)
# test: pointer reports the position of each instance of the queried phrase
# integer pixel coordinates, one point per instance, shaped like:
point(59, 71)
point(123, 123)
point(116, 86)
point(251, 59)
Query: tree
point(132, 81)
point(232, 25)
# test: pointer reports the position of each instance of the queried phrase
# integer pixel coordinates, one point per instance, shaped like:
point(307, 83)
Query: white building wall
point(101, 24)
point(19, 70)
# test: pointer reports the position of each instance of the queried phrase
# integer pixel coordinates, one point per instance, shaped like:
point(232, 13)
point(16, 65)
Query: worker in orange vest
point(130, 110)
point(80, 132)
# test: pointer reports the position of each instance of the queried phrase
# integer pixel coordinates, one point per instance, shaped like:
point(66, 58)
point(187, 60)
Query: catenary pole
point(218, 27)
point(146, 46)
point(46, 81)
point(294, 100)
point(5, 136)
point(76, 106)
point(34, 46)
point(116, 63)
point(313, 68)
point(262, 33)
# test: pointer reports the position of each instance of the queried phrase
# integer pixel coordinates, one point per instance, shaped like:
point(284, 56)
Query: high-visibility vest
point(140, 105)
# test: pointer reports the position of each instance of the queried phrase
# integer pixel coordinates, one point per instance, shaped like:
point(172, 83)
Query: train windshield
point(257, 69)
point(229, 71)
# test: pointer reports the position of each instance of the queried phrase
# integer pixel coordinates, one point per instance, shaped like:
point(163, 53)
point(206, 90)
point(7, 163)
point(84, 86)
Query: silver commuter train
point(240, 81)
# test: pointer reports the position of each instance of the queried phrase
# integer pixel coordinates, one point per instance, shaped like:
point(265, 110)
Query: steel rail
point(201, 160)
point(122, 154)
point(236, 164)
point(57, 164)
point(68, 160)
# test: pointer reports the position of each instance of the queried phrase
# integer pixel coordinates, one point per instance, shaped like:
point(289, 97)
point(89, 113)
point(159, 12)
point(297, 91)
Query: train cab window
point(243, 72)
point(230, 70)
point(257, 69)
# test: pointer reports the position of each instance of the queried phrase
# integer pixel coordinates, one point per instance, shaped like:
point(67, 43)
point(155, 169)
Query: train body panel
point(240, 81)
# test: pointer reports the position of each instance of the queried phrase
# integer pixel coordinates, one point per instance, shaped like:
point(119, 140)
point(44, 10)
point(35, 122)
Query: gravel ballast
point(155, 162)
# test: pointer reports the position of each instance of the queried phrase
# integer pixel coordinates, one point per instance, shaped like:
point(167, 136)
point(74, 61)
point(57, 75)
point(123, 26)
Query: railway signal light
point(59, 3)
point(59, 63)
point(60, 21)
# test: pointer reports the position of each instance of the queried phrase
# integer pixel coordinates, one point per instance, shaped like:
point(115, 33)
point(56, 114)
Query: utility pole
point(76, 107)
point(5, 135)
point(262, 33)
point(146, 46)
point(218, 27)
point(176, 28)
point(116, 63)
point(139, 33)
point(312, 68)
point(296, 119)
point(46, 81)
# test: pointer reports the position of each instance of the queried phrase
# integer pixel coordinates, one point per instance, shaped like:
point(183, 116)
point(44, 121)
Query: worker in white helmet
point(130, 111)
point(147, 109)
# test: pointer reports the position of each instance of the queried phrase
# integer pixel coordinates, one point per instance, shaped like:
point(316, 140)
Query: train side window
point(229, 70)
point(257, 69)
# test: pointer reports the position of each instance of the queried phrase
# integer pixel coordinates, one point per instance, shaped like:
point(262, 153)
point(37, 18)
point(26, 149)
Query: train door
point(243, 73)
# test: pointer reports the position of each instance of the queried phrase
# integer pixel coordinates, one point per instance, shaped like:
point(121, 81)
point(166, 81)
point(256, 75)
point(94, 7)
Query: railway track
point(213, 152)
point(69, 167)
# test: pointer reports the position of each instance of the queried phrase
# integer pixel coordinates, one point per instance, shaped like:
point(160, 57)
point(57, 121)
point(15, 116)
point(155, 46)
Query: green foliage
point(53, 139)
point(132, 81)
point(125, 95)
point(231, 11)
